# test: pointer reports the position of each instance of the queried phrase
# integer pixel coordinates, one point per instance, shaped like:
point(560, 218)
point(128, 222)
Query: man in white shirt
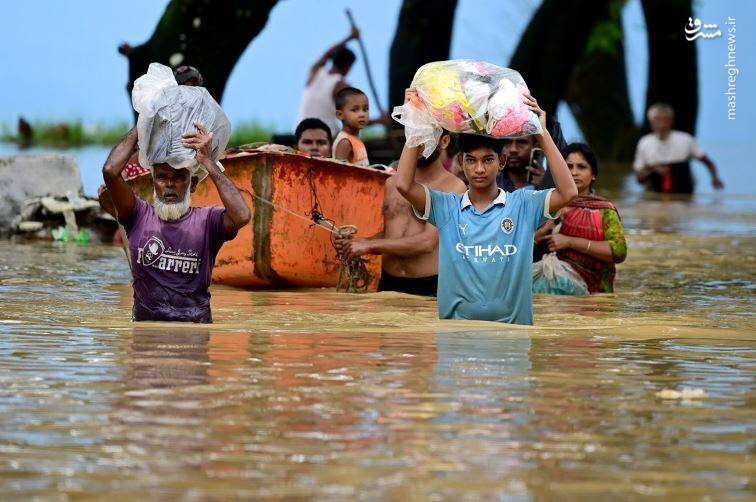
point(324, 83)
point(662, 158)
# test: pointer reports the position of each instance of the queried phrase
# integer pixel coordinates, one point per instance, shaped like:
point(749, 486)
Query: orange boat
point(283, 246)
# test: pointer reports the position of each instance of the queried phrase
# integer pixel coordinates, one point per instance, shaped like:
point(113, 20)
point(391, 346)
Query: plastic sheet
point(556, 277)
point(166, 111)
point(465, 96)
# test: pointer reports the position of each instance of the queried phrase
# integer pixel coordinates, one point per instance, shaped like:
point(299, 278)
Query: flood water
point(332, 396)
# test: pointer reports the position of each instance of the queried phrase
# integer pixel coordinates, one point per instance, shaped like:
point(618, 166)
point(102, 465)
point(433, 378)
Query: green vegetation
point(66, 135)
point(250, 132)
point(76, 134)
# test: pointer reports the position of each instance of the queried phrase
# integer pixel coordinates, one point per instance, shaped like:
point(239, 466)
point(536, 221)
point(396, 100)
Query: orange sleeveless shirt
point(359, 152)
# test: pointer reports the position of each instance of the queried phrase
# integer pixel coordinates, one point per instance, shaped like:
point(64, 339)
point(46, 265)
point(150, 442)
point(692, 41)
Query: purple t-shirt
point(172, 262)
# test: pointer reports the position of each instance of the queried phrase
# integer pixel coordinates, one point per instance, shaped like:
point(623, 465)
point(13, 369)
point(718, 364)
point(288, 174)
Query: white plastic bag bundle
point(465, 96)
point(166, 111)
point(556, 277)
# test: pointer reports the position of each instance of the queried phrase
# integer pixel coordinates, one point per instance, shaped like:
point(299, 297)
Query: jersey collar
point(500, 199)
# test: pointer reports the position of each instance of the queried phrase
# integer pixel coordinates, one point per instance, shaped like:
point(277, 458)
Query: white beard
point(171, 212)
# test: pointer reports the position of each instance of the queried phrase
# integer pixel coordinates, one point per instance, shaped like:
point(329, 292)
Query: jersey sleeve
point(537, 204)
point(438, 207)
point(614, 234)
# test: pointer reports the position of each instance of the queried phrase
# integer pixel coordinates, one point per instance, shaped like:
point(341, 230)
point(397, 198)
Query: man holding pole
point(318, 100)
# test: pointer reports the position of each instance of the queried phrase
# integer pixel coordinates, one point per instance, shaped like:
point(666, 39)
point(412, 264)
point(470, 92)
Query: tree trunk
point(597, 92)
point(550, 46)
point(672, 66)
point(423, 34)
point(211, 36)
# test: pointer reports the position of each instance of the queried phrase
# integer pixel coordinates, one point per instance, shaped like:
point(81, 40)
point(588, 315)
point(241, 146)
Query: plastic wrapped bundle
point(465, 96)
point(166, 111)
point(556, 277)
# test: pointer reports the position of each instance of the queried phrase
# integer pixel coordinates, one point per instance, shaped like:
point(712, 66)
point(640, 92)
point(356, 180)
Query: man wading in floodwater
point(173, 245)
point(409, 246)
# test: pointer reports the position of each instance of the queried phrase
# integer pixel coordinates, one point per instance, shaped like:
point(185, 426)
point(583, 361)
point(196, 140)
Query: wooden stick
point(367, 65)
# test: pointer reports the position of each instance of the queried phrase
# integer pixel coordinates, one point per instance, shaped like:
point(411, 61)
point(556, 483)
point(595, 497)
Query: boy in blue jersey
point(486, 234)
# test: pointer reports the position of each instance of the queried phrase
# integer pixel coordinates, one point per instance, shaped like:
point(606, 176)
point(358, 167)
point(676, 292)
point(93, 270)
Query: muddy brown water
point(315, 394)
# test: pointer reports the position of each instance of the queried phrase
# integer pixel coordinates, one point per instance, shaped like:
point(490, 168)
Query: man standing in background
point(662, 158)
point(318, 99)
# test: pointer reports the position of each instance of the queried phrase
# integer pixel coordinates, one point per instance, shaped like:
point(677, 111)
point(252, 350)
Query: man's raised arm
point(565, 189)
point(405, 176)
point(120, 192)
point(237, 212)
point(353, 34)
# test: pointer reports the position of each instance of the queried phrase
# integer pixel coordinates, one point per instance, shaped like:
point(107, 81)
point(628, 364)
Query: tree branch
point(211, 36)
point(597, 91)
point(672, 66)
point(550, 47)
point(423, 34)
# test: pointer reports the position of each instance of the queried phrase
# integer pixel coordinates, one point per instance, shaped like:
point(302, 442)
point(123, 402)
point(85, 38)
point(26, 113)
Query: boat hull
point(282, 247)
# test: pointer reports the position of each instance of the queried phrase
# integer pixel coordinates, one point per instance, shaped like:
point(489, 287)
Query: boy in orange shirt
point(352, 108)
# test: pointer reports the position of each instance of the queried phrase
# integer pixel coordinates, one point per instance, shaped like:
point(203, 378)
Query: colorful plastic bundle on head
point(465, 96)
point(507, 115)
point(443, 90)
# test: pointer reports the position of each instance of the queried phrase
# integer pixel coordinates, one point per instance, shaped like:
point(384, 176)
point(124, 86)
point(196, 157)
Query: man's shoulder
point(681, 135)
point(390, 189)
point(141, 209)
point(646, 138)
point(211, 219)
point(207, 211)
point(141, 204)
point(449, 183)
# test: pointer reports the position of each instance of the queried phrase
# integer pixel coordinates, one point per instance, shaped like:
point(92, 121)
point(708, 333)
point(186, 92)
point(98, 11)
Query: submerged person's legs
point(422, 286)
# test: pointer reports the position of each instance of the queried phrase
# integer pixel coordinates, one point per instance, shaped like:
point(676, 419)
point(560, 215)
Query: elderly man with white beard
point(173, 245)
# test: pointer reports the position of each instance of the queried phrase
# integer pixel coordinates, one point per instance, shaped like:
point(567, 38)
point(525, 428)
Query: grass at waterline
point(66, 134)
point(250, 132)
point(77, 134)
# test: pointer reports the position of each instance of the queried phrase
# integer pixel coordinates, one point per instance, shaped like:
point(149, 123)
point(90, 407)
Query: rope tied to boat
point(354, 276)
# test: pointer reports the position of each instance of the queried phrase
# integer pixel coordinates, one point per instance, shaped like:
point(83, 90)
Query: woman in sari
point(590, 237)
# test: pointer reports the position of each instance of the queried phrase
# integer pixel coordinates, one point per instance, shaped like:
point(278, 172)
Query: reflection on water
point(334, 396)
